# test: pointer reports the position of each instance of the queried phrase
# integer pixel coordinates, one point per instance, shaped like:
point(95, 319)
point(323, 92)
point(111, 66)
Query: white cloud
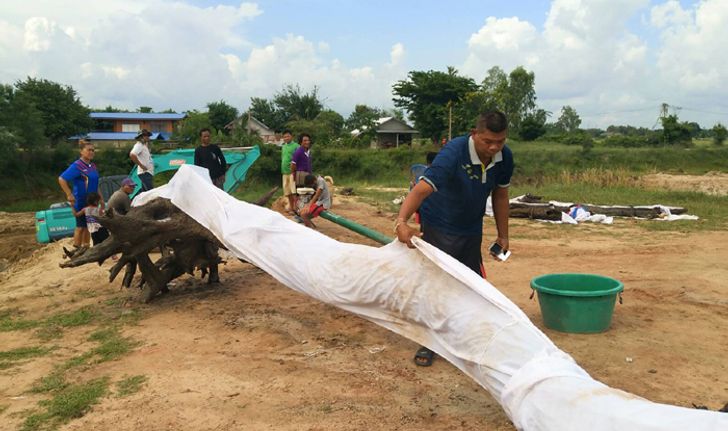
point(169, 53)
point(583, 54)
point(38, 34)
point(396, 54)
point(692, 56)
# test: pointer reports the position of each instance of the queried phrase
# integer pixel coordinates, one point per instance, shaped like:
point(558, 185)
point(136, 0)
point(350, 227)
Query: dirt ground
point(252, 354)
point(712, 183)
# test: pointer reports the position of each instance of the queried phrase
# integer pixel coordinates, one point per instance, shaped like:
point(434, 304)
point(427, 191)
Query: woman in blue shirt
point(77, 181)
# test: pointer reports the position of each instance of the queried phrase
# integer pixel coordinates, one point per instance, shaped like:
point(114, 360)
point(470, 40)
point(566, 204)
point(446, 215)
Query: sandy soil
point(252, 354)
point(712, 183)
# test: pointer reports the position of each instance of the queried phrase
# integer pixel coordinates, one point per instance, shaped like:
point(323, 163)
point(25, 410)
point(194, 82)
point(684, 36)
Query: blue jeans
point(147, 182)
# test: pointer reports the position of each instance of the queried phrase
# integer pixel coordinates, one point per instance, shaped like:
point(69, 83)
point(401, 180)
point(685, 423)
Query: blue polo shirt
point(462, 186)
point(85, 179)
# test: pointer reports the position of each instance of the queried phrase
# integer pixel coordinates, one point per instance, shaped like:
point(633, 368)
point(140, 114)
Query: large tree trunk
point(531, 207)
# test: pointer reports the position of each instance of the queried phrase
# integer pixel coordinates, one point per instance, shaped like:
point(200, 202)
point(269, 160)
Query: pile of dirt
point(17, 237)
point(712, 183)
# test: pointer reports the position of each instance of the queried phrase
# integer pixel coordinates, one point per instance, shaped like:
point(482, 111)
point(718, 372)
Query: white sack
point(430, 298)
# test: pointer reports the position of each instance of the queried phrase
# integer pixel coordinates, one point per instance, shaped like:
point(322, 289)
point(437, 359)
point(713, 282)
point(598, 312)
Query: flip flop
point(424, 357)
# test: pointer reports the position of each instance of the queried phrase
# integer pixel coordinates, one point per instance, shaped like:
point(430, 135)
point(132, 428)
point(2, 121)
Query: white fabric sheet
point(430, 298)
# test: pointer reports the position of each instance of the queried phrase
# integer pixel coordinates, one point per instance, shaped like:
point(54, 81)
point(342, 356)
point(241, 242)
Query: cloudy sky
point(615, 61)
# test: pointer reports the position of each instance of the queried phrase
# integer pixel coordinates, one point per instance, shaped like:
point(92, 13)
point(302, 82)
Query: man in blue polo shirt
point(452, 194)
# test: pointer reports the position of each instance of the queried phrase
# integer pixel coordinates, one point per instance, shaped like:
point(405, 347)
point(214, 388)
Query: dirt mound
point(17, 237)
point(712, 183)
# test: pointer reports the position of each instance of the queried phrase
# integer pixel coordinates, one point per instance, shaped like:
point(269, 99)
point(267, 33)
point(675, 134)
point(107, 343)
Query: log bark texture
point(186, 245)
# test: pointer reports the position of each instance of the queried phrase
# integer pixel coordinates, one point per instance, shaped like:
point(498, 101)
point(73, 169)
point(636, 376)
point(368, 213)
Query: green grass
point(53, 382)
point(130, 385)
point(30, 205)
point(69, 403)
point(49, 328)
point(82, 316)
point(251, 191)
point(10, 320)
point(111, 344)
point(22, 353)
point(382, 199)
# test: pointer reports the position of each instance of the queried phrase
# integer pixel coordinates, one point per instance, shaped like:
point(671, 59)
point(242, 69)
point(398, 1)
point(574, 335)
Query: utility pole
point(449, 121)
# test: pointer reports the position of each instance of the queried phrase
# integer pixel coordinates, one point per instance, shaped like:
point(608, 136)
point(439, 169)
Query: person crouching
point(321, 200)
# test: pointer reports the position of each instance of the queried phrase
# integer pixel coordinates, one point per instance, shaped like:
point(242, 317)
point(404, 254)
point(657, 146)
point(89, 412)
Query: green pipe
point(356, 227)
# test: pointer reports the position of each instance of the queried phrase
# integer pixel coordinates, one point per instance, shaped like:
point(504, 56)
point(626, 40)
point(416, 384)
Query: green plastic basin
point(578, 303)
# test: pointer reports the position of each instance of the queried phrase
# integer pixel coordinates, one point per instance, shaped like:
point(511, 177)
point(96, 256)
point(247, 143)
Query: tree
point(719, 134)
point(521, 97)
point(569, 120)
point(363, 117)
point(675, 132)
point(533, 125)
point(189, 131)
point(494, 89)
point(265, 110)
point(61, 110)
point(296, 105)
point(427, 96)
point(220, 114)
point(324, 129)
point(145, 109)
point(22, 121)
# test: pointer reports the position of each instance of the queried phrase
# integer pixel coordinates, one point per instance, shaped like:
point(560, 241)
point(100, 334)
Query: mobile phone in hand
point(496, 250)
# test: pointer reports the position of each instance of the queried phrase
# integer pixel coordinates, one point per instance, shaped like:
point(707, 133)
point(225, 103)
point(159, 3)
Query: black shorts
point(466, 249)
point(99, 236)
point(81, 221)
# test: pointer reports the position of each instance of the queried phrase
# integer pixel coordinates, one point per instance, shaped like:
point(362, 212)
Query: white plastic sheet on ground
point(430, 298)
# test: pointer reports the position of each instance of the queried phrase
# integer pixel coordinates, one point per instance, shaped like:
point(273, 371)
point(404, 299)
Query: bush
point(632, 141)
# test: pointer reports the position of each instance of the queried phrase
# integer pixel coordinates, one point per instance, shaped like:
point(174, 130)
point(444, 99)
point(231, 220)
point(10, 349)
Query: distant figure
point(91, 212)
point(77, 181)
point(301, 160)
point(321, 200)
point(142, 158)
point(210, 156)
point(289, 182)
point(120, 201)
point(443, 142)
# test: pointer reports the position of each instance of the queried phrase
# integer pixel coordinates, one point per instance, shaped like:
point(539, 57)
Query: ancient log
point(530, 206)
point(144, 229)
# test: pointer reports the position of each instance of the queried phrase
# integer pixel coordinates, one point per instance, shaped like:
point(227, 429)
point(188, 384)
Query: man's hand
point(504, 243)
point(405, 233)
point(71, 199)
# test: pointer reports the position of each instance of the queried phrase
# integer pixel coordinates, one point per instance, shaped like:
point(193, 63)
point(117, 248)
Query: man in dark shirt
point(210, 156)
point(452, 195)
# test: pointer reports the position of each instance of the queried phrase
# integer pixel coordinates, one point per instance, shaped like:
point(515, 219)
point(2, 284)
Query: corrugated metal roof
point(118, 136)
point(135, 116)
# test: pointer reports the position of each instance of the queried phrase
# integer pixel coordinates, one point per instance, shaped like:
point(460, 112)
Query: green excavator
point(58, 222)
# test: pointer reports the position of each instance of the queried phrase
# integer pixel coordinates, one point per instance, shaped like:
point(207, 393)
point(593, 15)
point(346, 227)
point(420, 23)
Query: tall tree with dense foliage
point(363, 117)
point(297, 105)
point(675, 132)
point(428, 96)
point(220, 114)
point(569, 120)
point(719, 134)
point(61, 110)
point(533, 125)
point(266, 111)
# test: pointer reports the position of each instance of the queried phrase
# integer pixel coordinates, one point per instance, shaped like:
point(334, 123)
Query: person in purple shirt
point(301, 160)
point(77, 181)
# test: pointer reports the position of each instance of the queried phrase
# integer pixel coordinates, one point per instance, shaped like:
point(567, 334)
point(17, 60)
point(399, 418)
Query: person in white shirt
point(142, 158)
